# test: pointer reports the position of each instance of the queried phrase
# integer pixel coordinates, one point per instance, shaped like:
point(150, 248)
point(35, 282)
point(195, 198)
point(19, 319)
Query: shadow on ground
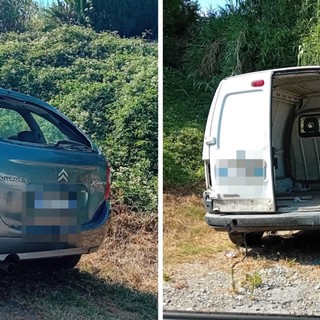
point(301, 247)
point(35, 293)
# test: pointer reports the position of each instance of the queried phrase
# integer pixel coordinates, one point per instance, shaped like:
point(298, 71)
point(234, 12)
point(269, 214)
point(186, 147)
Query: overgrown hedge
point(106, 85)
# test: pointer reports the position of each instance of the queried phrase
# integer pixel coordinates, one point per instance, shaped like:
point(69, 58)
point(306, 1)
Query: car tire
point(242, 238)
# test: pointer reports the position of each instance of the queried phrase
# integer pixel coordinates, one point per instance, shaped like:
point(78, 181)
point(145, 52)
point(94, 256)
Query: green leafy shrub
point(106, 85)
point(182, 157)
point(185, 113)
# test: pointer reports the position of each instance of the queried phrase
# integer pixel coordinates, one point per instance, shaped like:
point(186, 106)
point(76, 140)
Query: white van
point(262, 154)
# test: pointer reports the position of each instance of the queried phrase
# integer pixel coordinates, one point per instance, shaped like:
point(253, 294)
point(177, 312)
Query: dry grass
point(190, 246)
point(187, 237)
point(129, 254)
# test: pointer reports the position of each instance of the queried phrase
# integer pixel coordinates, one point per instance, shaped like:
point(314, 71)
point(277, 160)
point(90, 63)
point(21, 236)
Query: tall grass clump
point(309, 49)
point(248, 36)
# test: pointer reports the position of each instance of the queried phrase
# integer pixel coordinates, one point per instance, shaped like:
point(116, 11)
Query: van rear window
point(244, 121)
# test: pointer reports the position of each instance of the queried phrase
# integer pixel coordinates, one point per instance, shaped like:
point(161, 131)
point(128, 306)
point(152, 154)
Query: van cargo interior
point(296, 140)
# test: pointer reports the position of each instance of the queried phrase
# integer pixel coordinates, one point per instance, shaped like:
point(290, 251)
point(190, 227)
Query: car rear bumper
point(47, 254)
point(88, 240)
point(264, 222)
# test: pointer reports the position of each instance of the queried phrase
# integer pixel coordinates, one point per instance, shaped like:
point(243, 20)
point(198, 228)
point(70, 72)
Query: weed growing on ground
point(252, 280)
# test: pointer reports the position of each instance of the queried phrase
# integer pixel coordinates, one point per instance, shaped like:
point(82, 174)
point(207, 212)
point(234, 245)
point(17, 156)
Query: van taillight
point(108, 185)
point(257, 83)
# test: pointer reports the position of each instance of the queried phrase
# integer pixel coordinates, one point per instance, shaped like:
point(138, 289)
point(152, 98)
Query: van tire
point(240, 239)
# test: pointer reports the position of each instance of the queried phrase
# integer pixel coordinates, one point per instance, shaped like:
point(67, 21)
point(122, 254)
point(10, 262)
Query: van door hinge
point(211, 141)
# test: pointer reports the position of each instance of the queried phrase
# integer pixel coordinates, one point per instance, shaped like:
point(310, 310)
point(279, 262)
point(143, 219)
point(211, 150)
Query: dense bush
point(106, 85)
point(185, 112)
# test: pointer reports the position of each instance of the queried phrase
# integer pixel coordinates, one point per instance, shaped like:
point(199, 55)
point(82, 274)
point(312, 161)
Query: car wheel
point(242, 238)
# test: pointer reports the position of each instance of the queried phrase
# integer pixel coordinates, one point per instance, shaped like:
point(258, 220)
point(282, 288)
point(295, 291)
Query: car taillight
point(108, 185)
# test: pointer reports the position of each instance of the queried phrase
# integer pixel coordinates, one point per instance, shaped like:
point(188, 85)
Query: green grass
point(184, 105)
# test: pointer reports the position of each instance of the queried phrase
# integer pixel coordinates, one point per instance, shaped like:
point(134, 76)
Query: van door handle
point(211, 141)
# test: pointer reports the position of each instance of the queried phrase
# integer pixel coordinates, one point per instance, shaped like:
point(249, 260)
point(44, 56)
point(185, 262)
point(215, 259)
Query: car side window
point(11, 123)
point(51, 133)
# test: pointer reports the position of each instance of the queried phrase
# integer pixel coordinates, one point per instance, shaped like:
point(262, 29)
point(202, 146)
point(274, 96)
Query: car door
point(237, 144)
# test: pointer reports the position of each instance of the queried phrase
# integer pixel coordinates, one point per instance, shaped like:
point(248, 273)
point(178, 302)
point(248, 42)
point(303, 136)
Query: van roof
point(277, 70)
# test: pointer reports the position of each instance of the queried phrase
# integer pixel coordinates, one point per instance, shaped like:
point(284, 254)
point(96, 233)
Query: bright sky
point(44, 2)
point(205, 4)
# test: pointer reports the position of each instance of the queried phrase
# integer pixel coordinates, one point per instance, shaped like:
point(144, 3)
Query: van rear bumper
point(263, 222)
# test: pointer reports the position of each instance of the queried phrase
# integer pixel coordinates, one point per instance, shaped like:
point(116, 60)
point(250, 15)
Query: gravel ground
point(279, 288)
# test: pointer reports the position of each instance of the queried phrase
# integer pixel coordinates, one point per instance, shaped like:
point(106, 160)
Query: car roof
point(25, 98)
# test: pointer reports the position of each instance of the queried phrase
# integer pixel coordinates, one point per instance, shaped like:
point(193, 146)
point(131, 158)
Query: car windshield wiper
point(73, 145)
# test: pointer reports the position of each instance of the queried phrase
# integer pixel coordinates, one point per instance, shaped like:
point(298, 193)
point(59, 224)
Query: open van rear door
point(237, 145)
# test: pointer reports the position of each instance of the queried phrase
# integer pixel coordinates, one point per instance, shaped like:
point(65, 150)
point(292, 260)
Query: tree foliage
point(106, 85)
point(128, 17)
point(66, 12)
point(16, 15)
point(179, 17)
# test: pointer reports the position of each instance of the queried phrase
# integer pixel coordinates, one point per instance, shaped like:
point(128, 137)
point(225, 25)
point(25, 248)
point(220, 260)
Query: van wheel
point(241, 238)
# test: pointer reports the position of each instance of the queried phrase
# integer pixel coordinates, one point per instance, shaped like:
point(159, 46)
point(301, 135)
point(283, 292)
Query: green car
point(54, 185)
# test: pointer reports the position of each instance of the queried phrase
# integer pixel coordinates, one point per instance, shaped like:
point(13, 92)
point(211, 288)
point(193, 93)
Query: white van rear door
point(238, 145)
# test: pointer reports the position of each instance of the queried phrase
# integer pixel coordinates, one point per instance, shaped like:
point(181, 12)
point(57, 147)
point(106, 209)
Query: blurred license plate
point(51, 213)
